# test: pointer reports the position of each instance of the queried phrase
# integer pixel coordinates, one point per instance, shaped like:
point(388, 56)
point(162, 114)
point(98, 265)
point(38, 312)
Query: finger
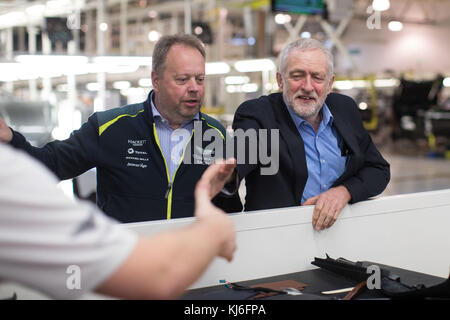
point(231, 161)
point(318, 216)
point(228, 165)
point(320, 222)
point(226, 172)
point(310, 201)
point(316, 213)
point(329, 220)
point(230, 253)
point(201, 193)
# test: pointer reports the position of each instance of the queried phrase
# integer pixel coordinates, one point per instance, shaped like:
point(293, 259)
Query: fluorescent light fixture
point(35, 10)
point(231, 89)
point(121, 69)
point(380, 5)
point(134, 95)
point(350, 84)
point(236, 79)
point(217, 68)
point(123, 60)
point(446, 82)
point(51, 60)
point(121, 85)
point(13, 19)
point(246, 87)
point(395, 26)
point(145, 82)
point(343, 85)
point(249, 87)
point(93, 86)
point(360, 83)
point(383, 83)
point(57, 4)
point(133, 91)
point(254, 65)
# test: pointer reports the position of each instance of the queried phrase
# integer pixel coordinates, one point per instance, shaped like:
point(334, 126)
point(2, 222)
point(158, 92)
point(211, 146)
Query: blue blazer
point(366, 175)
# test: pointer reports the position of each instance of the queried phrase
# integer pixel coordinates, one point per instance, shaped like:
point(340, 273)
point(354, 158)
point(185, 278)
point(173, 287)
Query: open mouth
point(306, 98)
point(191, 102)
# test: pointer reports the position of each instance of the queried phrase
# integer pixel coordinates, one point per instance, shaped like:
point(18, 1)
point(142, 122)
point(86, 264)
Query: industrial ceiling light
point(237, 79)
point(305, 34)
point(123, 60)
point(395, 26)
point(363, 106)
point(217, 68)
point(254, 65)
point(36, 59)
point(103, 26)
point(198, 30)
point(281, 18)
point(154, 36)
point(145, 82)
point(120, 85)
point(380, 5)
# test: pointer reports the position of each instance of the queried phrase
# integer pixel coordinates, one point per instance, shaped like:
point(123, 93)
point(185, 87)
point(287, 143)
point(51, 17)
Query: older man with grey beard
point(326, 157)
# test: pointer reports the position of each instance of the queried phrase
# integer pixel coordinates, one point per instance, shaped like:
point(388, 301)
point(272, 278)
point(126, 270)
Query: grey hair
point(305, 44)
point(164, 44)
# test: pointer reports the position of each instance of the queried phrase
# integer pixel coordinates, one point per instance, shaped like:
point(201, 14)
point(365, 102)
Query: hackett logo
point(137, 143)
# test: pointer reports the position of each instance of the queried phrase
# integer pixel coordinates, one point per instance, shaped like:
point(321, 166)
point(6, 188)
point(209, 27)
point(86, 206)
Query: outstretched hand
point(211, 182)
point(217, 175)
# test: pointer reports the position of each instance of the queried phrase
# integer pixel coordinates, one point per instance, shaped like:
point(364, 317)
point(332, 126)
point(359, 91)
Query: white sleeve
point(47, 241)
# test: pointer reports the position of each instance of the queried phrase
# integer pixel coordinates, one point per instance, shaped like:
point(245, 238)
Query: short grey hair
point(305, 44)
point(164, 44)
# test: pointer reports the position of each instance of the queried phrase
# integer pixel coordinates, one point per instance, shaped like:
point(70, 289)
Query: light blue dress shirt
point(172, 141)
point(323, 155)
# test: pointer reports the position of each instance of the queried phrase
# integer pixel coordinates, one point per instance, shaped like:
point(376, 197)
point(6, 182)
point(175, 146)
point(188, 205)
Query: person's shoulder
point(108, 117)
point(213, 123)
point(338, 102)
point(261, 104)
point(127, 110)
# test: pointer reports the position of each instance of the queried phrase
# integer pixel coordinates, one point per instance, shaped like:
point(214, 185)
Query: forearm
point(164, 266)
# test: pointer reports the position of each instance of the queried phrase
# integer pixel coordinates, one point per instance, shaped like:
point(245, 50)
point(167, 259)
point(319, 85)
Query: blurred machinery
point(35, 120)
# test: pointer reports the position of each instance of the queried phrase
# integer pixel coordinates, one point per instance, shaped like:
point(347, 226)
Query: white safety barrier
point(410, 231)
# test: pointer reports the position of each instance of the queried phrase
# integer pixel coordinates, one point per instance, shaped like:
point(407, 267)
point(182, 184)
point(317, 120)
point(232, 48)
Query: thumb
point(201, 194)
point(310, 201)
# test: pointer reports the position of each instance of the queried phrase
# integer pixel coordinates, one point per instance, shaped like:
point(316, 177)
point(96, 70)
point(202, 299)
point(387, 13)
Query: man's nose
point(193, 85)
point(307, 84)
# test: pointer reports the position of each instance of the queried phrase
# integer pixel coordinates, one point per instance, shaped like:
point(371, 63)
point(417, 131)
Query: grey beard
point(303, 115)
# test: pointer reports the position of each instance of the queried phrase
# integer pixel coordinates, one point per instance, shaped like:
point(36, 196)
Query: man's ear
point(279, 81)
point(155, 81)
point(330, 85)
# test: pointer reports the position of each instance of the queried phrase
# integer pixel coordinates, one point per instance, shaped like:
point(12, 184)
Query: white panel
point(406, 231)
